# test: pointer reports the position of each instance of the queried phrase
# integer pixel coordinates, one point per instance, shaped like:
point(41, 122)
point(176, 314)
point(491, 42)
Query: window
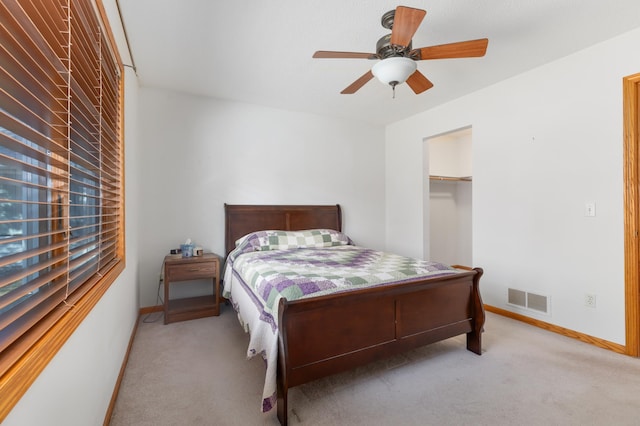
point(61, 215)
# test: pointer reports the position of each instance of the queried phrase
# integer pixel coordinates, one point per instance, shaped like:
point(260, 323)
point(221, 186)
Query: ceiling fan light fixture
point(395, 70)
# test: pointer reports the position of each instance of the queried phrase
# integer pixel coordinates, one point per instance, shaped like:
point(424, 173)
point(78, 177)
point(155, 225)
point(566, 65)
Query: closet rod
point(452, 178)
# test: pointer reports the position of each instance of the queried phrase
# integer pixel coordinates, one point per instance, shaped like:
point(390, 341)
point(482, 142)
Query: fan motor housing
point(385, 49)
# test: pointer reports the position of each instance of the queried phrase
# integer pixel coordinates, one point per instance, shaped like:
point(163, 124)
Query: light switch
point(590, 209)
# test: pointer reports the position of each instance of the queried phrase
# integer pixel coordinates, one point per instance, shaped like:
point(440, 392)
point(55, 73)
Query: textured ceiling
point(259, 51)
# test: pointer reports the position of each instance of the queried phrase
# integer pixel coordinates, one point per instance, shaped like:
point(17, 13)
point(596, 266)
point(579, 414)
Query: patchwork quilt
point(269, 265)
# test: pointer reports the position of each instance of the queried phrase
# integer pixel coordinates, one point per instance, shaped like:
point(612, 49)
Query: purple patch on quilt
point(269, 403)
point(325, 285)
point(439, 266)
point(279, 283)
point(265, 290)
point(282, 283)
point(308, 287)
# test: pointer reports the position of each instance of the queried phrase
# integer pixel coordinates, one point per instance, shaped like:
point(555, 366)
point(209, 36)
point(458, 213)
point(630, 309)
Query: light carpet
point(196, 373)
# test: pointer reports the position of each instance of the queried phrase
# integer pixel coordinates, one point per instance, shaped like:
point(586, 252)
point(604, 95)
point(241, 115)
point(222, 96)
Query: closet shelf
point(451, 178)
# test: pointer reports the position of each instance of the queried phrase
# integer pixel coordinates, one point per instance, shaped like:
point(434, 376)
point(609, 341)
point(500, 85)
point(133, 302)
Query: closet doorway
point(450, 197)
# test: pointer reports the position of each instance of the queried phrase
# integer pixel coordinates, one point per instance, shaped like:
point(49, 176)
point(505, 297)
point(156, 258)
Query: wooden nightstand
point(179, 269)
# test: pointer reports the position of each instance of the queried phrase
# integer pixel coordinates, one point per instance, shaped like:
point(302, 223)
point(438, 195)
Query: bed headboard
point(243, 219)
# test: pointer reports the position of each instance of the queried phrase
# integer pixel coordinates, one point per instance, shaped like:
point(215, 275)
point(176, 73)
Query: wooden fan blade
point(405, 24)
point(344, 55)
point(418, 82)
point(463, 49)
point(356, 85)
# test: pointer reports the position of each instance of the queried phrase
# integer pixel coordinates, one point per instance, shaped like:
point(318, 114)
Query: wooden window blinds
point(61, 218)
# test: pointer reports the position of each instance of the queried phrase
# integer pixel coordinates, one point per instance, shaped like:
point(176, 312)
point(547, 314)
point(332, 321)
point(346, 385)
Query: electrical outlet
point(590, 300)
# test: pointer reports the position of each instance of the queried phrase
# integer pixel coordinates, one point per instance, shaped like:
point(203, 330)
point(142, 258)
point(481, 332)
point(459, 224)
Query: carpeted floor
point(196, 373)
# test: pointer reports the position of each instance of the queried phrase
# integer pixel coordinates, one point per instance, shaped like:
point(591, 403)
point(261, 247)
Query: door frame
point(631, 170)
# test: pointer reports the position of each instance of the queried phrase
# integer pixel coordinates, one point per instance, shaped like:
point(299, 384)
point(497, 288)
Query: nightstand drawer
point(191, 271)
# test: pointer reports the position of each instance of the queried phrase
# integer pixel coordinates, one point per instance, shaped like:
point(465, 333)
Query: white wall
point(201, 153)
point(450, 154)
point(544, 143)
point(76, 386)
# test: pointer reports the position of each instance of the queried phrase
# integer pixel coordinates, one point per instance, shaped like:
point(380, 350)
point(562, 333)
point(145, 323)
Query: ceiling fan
point(398, 58)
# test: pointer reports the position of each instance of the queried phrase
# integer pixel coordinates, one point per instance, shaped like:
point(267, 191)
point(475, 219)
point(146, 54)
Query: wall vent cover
point(532, 301)
point(518, 297)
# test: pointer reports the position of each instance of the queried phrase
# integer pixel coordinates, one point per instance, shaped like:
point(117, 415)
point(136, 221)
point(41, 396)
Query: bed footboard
point(330, 334)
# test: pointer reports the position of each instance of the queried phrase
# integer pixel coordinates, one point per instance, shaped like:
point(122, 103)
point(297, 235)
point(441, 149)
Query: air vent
point(531, 301)
point(518, 297)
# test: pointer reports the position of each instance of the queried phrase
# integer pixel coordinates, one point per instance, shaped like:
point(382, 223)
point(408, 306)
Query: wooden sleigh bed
point(324, 335)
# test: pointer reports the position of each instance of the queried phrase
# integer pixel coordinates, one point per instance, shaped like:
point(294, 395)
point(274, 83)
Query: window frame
point(53, 331)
